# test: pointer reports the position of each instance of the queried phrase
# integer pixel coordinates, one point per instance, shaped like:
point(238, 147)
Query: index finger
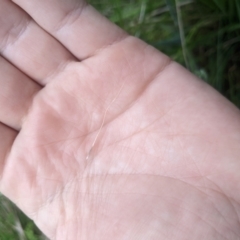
point(77, 25)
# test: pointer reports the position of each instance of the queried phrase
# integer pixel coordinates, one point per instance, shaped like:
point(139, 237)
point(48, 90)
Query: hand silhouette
point(103, 137)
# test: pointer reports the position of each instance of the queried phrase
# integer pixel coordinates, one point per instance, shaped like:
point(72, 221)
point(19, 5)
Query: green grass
point(203, 35)
point(14, 225)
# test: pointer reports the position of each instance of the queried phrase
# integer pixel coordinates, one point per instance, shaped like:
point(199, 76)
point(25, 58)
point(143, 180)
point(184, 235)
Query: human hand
point(103, 137)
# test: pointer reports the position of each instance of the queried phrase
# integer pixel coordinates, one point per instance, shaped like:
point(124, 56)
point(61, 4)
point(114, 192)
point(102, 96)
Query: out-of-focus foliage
point(14, 225)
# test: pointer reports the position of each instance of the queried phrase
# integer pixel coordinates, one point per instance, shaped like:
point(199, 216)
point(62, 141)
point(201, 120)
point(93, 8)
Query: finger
point(16, 94)
point(7, 136)
point(28, 46)
point(78, 26)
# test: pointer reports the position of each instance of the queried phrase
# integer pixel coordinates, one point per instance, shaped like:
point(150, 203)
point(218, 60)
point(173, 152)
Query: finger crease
point(120, 39)
point(70, 17)
point(14, 33)
point(59, 69)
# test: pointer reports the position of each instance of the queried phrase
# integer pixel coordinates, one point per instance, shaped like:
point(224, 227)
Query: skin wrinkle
point(23, 29)
point(29, 166)
point(64, 207)
point(173, 224)
point(130, 105)
point(205, 184)
point(106, 48)
point(159, 72)
point(177, 225)
point(55, 163)
point(5, 95)
point(70, 123)
point(102, 125)
point(99, 98)
point(145, 128)
point(24, 117)
point(119, 39)
point(184, 150)
point(155, 195)
point(238, 216)
point(162, 69)
point(146, 223)
point(202, 219)
point(103, 121)
point(221, 192)
point(96, 210)
point(225, 197)
point(66, 139)
point(71, 16)
point(86, 134)
point(186, 209)
point(59, 69)
point(226, 220)
point(148, 155)
point(126, 59)
point(208, 152)
point(36, 171)
point(134, 150)
point(61, 140)
point(79, 99)
point(142, 194)
point(78, 212)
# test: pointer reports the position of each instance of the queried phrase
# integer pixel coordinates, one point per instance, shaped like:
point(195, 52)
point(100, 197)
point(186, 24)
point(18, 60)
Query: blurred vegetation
point(14, 225)
point(203, 35)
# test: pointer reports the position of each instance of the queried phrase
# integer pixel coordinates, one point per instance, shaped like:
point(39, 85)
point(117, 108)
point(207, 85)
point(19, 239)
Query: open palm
point(103, 137)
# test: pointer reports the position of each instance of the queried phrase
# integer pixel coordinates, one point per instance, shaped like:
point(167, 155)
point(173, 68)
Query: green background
point(202, 35)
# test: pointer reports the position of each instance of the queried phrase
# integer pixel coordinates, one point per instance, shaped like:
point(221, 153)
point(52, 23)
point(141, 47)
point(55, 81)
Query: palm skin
point(124, 144)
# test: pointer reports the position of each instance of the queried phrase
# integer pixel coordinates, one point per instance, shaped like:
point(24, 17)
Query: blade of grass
point(172, 8)
point(237, 2)
point(182, 34)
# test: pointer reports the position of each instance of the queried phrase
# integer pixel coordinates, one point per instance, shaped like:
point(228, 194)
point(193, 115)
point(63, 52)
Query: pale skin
point(103, 137)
